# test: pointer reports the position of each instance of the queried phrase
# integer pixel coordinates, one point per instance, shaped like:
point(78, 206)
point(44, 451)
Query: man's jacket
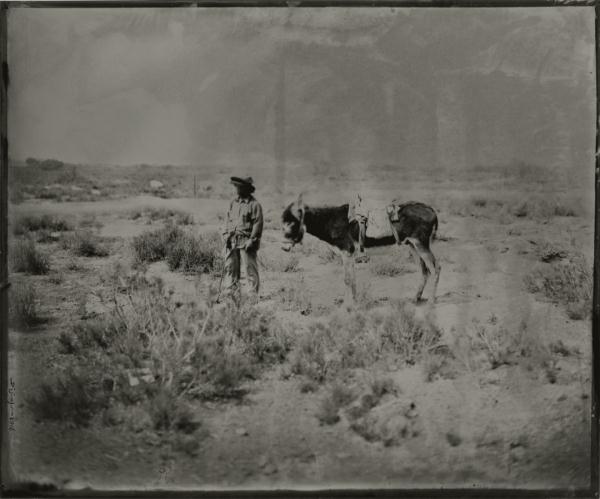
point(244, 222)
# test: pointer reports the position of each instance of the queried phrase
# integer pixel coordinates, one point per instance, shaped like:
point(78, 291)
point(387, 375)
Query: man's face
point(239, 190)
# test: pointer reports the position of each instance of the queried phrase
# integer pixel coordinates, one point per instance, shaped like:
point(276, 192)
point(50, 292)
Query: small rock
point(562, 397)
point(147, 378)
point(54, 236)
point(133, 381)
point(95, 192)
point(263, 461)
point(242, 432)
point(155, 184)
point(75, 188)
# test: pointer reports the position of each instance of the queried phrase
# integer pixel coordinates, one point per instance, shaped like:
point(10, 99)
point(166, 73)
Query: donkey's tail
point(433, 231)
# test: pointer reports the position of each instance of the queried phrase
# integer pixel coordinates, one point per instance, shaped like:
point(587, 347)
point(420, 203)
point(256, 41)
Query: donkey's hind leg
point(424, 270)
point(432, 264)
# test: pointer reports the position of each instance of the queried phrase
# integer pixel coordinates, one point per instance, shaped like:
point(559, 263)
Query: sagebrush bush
point(311, 355)
point(168, 412)
point(75, 396)
point(569, 282)
point(338, 396)
point(182, 251)
point(32, 223)
point(26, 257)
point(201, 254)
point(85, 243)
point(359, 339)
point(490, 346)
point(190, 348)
point(87, 334)
point(152, 246)
point(22, 305)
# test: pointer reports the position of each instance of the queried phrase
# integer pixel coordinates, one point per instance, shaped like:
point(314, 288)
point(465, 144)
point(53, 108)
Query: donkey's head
point(293, 223)
point(393, 213)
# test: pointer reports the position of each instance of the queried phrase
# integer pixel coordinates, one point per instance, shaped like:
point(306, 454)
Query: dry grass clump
point(201, 254)
point(22, 305)
point(492, 345)
point(361, 338)
point(75, 396)
point(154, 349)
point(85, 243)
point(26, 257)
point(569, 282)
point(152, 246)
point(181, 250)
point(33, 223)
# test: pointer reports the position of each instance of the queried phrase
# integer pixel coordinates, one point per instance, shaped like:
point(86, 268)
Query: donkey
point(414, 224)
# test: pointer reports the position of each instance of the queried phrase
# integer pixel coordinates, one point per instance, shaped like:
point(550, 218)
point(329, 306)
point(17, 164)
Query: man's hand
point(250, 245)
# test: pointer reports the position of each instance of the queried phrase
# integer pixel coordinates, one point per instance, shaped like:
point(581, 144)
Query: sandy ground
point(506, 427)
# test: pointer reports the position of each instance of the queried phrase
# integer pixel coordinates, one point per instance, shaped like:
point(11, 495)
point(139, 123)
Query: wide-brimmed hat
point(246, 181)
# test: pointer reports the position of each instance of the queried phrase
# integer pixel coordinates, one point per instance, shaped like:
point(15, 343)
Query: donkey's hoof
point(419, 300)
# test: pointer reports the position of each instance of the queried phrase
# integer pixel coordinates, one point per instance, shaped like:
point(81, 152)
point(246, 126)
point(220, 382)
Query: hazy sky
point(183, 84)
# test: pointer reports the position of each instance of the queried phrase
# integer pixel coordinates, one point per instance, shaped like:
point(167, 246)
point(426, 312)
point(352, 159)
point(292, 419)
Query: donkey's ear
point(300, 202)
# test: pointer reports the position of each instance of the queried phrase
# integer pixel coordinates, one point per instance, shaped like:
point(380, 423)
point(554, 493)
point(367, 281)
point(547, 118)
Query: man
point(241, 235)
